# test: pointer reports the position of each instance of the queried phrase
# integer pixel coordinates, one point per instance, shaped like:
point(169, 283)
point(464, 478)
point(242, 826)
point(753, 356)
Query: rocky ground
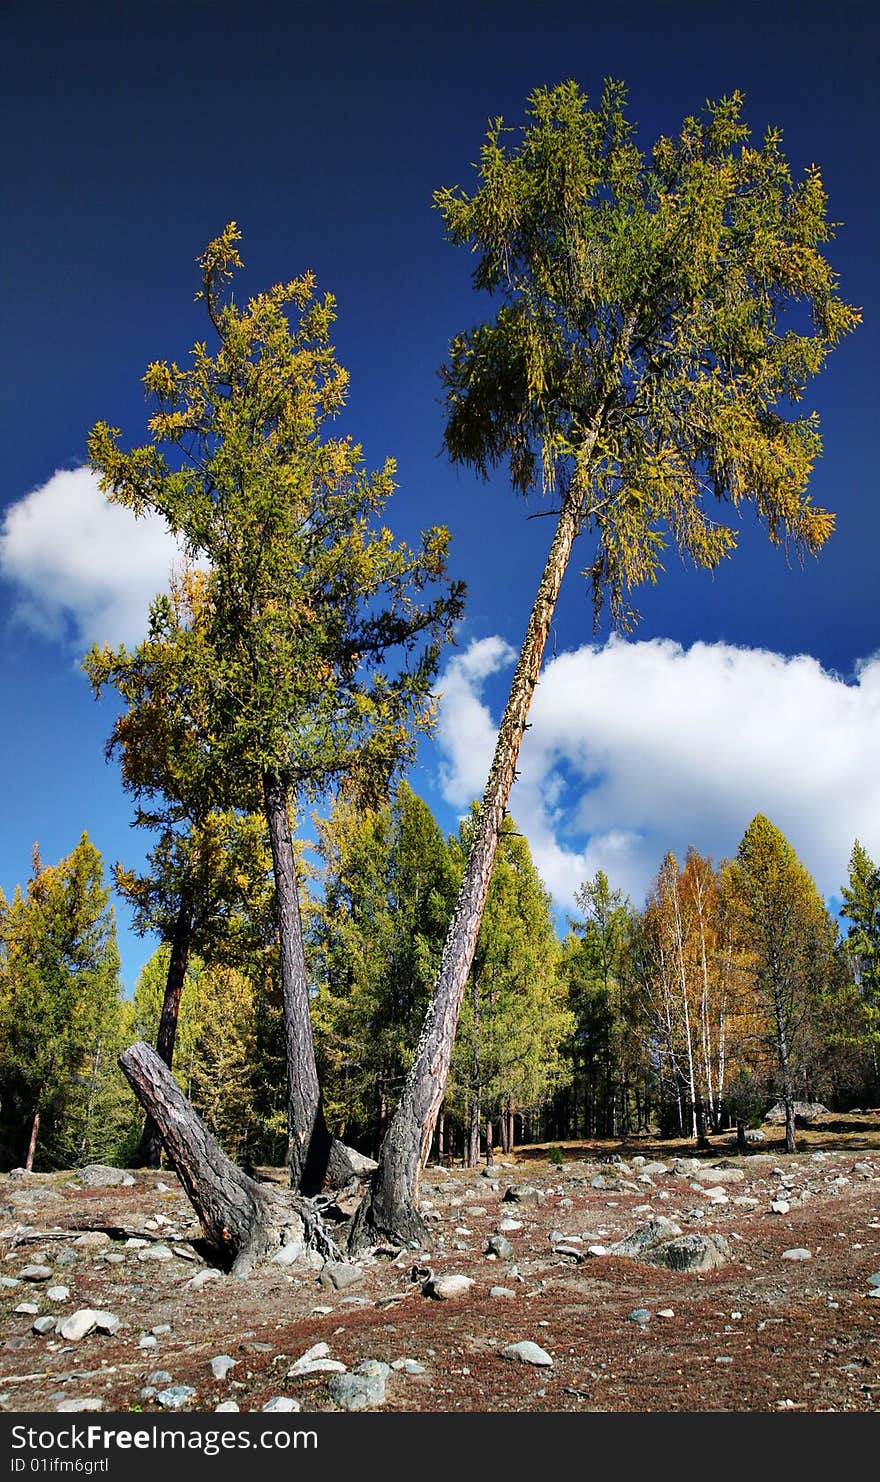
point(663, 1281)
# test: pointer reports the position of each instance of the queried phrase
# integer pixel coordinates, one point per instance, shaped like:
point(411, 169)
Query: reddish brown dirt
point(790, 1334)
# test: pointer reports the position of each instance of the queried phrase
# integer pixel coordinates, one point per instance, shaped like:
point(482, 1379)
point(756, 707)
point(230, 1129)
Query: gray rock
point(527, 1353)
point(156, 1252)
point(500, 1246)
point(175, 1397)
point(92, 1240)
point(804, 1111)
point(340, 1275)
point(446, 1288)
point(160, 1379)
point(316, 1366)
point(797, 1253)
point(277, 1402)
point(522, 1194)
point(66, 1257)
point(201, 1278)
point(102, 1176)
point(147, 1392)
point(221, 1365)
point(508, 1226)
point(373, 1368)
point(35, 1273)
point(27, 1309)
point(690, 1253)
point(8, 1282)
point(107, 1322)
point(75, 1327)
point(44, 1325)
point(780, 1206)
point(19, 1173)
point(874, 1280)
point(288, 1254)
point(74, 1407)
point(640, 1240)
point(58, 1293)
point(230, 1406)
point(357, 1391)
point(501, 1291)
point(161, 1330)
point(640, 1315)
point(571, 1251)
point(409, 1365)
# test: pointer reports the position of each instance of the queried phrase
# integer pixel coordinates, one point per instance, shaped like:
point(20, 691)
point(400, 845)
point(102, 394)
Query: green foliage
point(375, 940)
point(861, 907)
point(658, 320)
point(514, 1019)
point(283, 662)
point(61, 1017)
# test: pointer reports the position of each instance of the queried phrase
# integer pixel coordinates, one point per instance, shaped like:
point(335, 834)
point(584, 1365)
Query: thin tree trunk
point(390, 1206)
point(244, 1220)
point(149, 1150)
point(785, 1069)
point(314, 1157)
point(32, 1140)
point(490, 1158)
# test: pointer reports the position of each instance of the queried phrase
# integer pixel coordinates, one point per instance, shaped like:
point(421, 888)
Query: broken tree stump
point(245, 1220)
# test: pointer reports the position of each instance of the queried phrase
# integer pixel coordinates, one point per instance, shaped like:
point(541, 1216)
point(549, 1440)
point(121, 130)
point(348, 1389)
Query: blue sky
point(133, 133)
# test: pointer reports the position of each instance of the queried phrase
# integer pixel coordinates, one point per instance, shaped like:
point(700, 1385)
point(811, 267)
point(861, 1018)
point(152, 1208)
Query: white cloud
point(83, 568)
point(636, 748)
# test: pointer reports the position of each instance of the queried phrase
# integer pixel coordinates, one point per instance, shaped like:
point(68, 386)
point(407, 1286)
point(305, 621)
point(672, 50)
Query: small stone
point(277, 1402)
point(157, 1252)
point(357, 1391)
point(666, 1312)
point(640, 1315)
point(780, 1206)
point(8, 1282)
point(27, 1309)
point(874, 1280)
point(201, 1278)
point(44, 1325)
point(447, 1288)
point(221, 1365)
point(340, 1275)
point(409, 1365)
point(797, 1253)
point(74, 1407)
point(316, 1366)
point(230, 1405)
point(318, 1350)
point(176, 1397)
point(161, 1330)
point(527, 1353)
point(522, 1194)
point(147, 1392)
point(723, 1358)
point(160, 1378)
point(148, 1341)
point(289, 1254)
point(597, 1250)
point(58, 1293)
point(107, 1322)
point(92, 1240)
point(75, 1327)
point(501, 1291)
point(507, 1226)
point(500, 1246)
point(134, 1242)
point(35, 1273)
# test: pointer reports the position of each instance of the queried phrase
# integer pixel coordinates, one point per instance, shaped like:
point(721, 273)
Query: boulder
point(527, 1353)
point(102, 1176)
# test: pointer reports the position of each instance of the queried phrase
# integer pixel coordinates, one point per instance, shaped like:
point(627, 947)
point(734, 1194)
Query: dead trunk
point(244, 1220)
point(315, 1157)
point(149, 1151)
point(390, 1207)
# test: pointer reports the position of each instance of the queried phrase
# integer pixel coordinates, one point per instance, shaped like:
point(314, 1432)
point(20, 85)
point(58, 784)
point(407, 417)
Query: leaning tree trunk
point(149, 1150)
point(32, 1140)
point(244, 1220)
point(389, 1210)
point(315, 1157)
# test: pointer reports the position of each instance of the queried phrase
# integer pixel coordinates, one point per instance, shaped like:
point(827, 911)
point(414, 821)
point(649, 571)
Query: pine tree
point(59, 1009)
point(861, 907)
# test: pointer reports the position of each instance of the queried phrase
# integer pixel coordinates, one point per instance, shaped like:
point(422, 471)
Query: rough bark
point(32, 1140)
point(244, 1220)
point(316, 1159)
point(389, 1210)
point(149, 1151)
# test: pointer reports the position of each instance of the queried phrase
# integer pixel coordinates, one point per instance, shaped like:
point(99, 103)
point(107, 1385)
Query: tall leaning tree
point(656, 321)
point(310, 656)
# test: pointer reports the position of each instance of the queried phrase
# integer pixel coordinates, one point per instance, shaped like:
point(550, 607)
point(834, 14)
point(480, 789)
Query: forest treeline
point(681, 1017)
